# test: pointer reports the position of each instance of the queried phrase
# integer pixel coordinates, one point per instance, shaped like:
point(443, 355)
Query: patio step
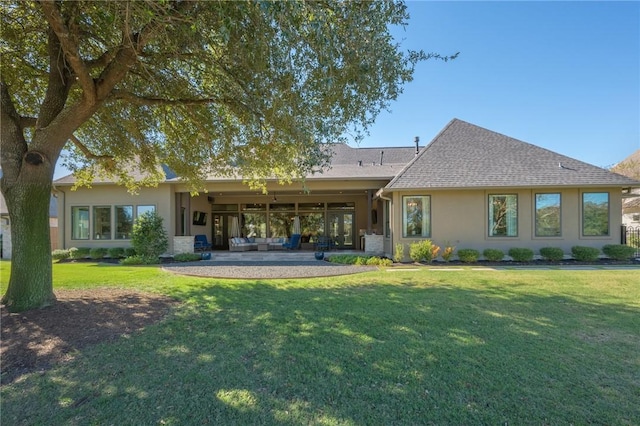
point(270, 256)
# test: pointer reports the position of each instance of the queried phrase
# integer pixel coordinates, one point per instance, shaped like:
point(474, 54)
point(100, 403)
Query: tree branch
point(154, 101)
point(26, 122)
point(86, 151)
point(70, 48)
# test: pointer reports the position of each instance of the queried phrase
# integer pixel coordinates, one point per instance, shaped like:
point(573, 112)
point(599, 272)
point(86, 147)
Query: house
point(630, 167)
point(470, 187)
point(5, 227)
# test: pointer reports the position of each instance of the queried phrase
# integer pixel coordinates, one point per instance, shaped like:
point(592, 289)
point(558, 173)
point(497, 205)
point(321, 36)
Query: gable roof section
point(464, 155)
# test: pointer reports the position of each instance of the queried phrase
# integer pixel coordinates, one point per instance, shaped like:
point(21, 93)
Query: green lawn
point(380, 348)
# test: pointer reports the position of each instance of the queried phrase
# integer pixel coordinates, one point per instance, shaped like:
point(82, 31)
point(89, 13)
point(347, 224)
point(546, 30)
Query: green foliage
point(423, 250)
point(521, 254)
point(353, 259)
point(97, 253)
point(468, 255)
point(60, 254)
point(187, 257)
point(149, 236)
point(140, 260)
point(129, 251)
point(585, 254)
point(552, 254)
point(634, 241)
point(448, 252)
point(79, 252)
point(619, 251)
point(493, 255)
point(116, 252)
point(398, 254)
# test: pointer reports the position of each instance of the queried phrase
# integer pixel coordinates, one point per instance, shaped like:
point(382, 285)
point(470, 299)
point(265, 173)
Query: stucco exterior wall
point(110, 195)
point(460, 218)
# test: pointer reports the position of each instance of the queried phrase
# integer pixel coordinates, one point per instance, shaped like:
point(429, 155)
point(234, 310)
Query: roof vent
point(417, 141)
point(381, 155)
point(359, 163)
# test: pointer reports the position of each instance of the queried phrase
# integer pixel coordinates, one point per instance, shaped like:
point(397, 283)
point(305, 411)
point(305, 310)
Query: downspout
point(62, 208)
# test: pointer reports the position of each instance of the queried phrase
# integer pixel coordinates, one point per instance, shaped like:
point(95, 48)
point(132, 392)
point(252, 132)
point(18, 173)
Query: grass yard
point(381, 348)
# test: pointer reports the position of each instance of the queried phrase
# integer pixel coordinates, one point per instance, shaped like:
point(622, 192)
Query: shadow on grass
point(260, 354)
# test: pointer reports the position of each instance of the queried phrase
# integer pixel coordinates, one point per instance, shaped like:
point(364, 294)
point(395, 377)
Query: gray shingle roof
point(463, 155)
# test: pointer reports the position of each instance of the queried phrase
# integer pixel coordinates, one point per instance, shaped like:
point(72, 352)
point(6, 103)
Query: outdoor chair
point(323, 244)
point(200, 243)
point(293, 243)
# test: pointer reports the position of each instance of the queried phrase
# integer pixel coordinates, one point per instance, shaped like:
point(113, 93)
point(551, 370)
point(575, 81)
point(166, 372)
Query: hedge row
point(426, 251)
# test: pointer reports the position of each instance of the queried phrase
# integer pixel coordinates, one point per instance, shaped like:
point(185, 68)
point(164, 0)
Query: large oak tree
point(248, 87)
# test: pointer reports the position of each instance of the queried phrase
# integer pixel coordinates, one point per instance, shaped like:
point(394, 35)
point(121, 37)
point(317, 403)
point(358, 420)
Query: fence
point(631, 237)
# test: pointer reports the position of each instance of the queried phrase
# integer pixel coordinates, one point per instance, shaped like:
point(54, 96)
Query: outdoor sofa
point(248, 244)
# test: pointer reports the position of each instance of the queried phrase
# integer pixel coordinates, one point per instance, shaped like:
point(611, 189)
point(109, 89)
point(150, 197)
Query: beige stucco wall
point(107, 195)
point(460, 218)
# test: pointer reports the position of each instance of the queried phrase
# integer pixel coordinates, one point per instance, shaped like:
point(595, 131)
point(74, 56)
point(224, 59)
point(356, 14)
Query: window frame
point(94, 233)
point(490, 222)
point(425, 218)
point(116, 228)
point(582, 215)
point(535, 215)
point(88, 220)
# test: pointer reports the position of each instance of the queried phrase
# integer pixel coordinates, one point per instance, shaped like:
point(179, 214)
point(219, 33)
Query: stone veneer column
point(183, 244)
point(374, 244)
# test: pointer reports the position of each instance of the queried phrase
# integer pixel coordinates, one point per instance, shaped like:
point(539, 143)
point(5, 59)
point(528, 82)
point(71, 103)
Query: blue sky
point(561, 75)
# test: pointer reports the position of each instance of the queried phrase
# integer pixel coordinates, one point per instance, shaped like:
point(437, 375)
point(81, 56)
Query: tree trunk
point(30, 284)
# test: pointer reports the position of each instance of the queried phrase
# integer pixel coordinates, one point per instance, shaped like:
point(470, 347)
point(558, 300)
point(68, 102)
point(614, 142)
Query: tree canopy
point(245, 88)
point(203, 87)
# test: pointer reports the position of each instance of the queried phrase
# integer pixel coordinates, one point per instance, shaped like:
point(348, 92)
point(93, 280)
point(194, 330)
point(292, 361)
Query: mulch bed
point(38, 340)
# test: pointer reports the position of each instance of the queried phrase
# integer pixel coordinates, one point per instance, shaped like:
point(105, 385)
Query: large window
point(416, 216)
point(80, 223)
point(102, 222)
point(124, 222)
point(254, 220)
point(548, 215)
point(311, 225)
point(503, 215)
point(595, 214)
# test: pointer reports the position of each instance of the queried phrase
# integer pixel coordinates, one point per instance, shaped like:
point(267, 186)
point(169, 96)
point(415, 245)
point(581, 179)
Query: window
point(102, 223)
point(548, 215)
point(416, 216)
point(503, 215)
point(140, 210)
point(595, 214)
point(79, 223)
point(124, 222)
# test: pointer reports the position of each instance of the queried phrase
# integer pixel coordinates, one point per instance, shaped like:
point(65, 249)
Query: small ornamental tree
point(149, 236)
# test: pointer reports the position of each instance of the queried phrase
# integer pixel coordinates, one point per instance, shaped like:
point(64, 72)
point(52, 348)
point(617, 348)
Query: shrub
point(585, 254)
point(619, 251)
point(80, 252)
point(115, 252)
point(60, 254)
point(379, 261)
point(187, 257)
point(521, 254)
point(423, 250)
point(149, 236)
point(468, 255)
point(447, 253)
point(398, 254)
point(493, 255)
point(344, 259)
point(97, 253)
point(140, 260)
point(552, 254)
point(129, 251)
